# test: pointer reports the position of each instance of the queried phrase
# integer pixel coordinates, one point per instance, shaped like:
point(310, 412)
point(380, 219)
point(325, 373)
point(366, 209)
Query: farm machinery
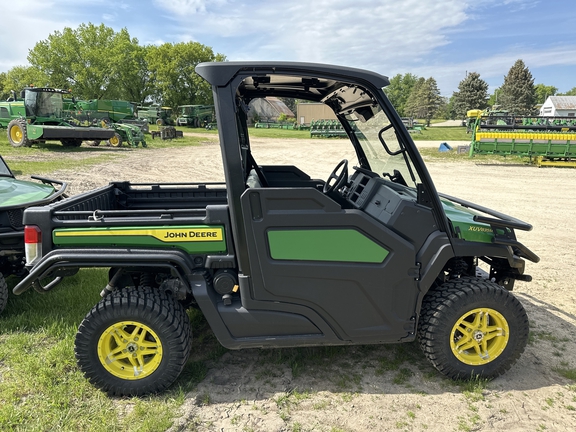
point(154, 114)
point(195, 115)
point(547, 141)
point(38, 116)
point(328, 128)
point(117, 115)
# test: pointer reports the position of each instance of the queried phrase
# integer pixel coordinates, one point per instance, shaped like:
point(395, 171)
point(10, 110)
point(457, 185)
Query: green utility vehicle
point(195, 115)
point(275, 258)
point(15, 196)
point(38, 116)
point(161, 116)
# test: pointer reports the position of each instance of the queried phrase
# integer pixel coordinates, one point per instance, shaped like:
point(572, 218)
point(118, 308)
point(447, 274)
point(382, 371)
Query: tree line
point(95, 62)
point(417, 97)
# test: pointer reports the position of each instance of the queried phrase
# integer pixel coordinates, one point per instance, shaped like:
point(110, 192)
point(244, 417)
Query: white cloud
point(186, 7)
point(362, 33)
point(387, 36)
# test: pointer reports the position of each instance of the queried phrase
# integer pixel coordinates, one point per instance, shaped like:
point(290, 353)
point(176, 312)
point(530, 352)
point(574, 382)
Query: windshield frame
point(5, 170)
point(380, 147)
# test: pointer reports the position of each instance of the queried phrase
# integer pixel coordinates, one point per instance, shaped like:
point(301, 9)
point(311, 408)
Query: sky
point(443, 39)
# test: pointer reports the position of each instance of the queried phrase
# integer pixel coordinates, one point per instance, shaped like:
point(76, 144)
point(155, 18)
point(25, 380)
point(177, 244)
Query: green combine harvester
point(154, 114)
point(195, 115)
point(547, 141)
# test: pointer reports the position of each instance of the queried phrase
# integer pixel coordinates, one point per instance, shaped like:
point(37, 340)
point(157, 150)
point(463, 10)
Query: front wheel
point(115, 141)
point(470, 327)
point(135, 341)
point(17, 133)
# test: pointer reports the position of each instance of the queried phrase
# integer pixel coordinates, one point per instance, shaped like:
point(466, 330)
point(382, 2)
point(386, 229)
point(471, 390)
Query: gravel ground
point(391, 387)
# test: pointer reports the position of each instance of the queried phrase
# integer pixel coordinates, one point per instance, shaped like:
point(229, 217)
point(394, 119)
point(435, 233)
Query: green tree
point(90, 60)
point(571, 92)
point(449, 112)
point(424, 100)
point(172, 69)
point(472, 94)
point(543, 92)
point(19, 77)
point(517, 94)
point(493, 100)
point(399, 90)
point(3, 91)
point(412, 105)
point(134, 80)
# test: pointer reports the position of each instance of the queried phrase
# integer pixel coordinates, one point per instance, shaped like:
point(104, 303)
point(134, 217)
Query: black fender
point(179, 263)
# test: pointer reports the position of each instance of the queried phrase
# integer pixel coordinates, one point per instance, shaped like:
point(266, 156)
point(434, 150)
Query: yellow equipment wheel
point(471, 327)
point(135, 341)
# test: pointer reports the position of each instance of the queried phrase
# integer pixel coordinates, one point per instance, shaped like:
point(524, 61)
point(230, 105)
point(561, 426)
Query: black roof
point(292, 79)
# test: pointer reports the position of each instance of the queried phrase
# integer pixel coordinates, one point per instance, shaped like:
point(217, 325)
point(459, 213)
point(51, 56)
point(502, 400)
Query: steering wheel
point(340, 177)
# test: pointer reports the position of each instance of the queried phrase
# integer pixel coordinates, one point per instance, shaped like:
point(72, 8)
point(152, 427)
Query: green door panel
point(347, 245)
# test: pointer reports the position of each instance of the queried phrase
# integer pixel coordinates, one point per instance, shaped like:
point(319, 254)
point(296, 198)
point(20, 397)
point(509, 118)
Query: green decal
point(346, 245)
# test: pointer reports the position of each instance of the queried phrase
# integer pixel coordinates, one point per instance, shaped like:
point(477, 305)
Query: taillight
point(32, 243)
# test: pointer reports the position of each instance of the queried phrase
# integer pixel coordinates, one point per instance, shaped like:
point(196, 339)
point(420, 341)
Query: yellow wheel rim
point(130, 350)
point(16, 134)
point(479, 336)
point(114, 141)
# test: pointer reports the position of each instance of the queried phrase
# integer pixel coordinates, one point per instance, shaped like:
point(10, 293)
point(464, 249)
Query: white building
point(559, 106)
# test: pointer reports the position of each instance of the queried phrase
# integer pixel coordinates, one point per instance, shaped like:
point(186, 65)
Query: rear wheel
point(115, 141)
point(3, 293)
point(17, 133)
point(472, 327)
point(134, 342)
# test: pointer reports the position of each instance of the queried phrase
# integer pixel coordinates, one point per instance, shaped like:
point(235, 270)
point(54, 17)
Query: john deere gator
point(276, 258)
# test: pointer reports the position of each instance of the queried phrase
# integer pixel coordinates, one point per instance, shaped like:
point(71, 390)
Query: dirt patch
point(391, 387)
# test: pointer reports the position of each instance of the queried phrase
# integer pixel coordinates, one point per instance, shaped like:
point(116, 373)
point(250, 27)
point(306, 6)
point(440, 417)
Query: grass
point(42, 389)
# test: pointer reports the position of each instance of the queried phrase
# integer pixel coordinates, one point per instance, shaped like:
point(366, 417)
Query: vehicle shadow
point(254, 374)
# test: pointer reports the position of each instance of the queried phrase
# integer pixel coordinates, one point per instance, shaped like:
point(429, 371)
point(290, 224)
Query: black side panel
point(359, 300)
point(255, 323)
point(289, 176)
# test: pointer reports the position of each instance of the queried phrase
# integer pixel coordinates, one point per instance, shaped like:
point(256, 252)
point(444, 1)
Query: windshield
point(383, 151)
point(43, 104)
